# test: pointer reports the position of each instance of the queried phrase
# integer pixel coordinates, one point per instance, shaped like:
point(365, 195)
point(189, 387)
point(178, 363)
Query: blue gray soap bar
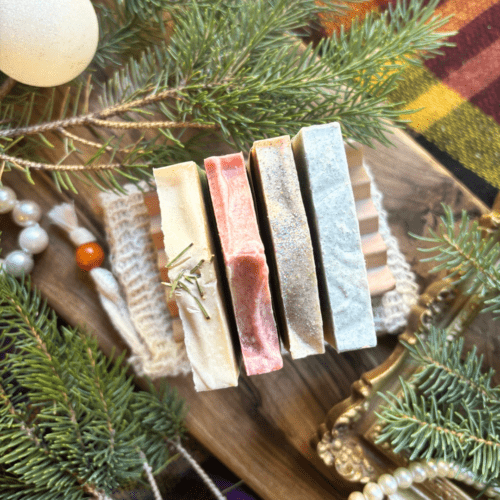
point(327, 193)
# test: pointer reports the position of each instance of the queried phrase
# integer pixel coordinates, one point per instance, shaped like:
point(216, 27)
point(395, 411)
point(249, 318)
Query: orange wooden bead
point(89, 255)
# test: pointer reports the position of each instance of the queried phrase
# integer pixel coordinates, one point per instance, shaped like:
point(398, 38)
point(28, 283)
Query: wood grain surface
point(263, 429)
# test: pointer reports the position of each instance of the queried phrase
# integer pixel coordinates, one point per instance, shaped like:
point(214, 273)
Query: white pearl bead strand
point(33, 239)
point(417, 472)
point(7, 200)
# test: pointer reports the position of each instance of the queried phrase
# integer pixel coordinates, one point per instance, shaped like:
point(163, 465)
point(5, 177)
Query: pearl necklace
point(33, 238)
point(417, 472)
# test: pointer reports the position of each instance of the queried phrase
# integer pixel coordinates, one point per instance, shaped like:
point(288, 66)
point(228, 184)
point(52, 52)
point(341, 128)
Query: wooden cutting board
point(263, 429)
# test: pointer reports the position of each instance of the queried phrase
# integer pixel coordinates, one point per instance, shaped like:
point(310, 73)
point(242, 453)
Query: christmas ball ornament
point(7, 199)
point(34, 239)
point(26, 213)
point(46, 43)
point(89, 255)
point(18, 263)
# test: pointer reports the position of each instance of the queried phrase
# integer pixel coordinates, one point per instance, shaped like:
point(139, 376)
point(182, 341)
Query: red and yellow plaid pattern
point(459, 91)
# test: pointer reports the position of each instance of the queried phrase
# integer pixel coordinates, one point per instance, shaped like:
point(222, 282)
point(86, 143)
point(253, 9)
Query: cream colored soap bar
point(184, 222)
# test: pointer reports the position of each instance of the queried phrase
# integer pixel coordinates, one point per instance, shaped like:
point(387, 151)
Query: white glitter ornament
point(46, 43)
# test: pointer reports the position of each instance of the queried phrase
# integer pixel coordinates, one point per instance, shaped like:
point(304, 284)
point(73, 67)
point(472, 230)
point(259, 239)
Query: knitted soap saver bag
point(134, 263)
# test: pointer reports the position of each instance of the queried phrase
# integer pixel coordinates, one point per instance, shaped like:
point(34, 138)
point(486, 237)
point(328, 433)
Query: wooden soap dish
point(380, 278)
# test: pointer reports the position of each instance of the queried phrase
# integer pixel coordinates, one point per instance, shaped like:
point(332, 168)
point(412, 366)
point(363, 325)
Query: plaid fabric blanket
point(459, 91)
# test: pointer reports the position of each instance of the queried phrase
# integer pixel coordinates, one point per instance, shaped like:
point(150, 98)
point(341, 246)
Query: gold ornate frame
point(346, 441)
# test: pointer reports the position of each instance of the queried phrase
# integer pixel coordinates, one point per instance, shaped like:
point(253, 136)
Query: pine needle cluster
point(72, 426)
point(239, 69)
point(471, 259)
point(448, 409)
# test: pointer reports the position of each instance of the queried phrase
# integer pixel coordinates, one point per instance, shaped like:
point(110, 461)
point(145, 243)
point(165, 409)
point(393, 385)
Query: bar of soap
point(184, 222)
point(327, 193)
point(283, 220)
point(245, 262)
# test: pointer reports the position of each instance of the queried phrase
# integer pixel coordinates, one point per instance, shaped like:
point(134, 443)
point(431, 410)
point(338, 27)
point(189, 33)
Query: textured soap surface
point(327, 193)
point(283, 218)
point(245, 262)
point(184, 222)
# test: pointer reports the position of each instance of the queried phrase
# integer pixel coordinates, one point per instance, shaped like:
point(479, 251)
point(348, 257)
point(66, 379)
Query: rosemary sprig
point(184, 287)
point(179, 282)
point(176, 258)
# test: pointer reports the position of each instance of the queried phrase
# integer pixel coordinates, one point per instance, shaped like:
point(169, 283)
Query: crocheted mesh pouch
point(134, 263)
point(391, 310)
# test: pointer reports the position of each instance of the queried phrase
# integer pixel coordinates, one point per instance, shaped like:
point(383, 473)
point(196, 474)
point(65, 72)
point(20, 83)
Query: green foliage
point(447, 410)
point(71, 423)
point(161, 414)
point(369, 59)
point(119, 38)
point(447, 378)
point(236, 68)
point(470, 258)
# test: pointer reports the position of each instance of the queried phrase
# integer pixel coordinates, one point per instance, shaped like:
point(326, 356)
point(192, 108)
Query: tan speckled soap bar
point(185, 226)
point(290, 254)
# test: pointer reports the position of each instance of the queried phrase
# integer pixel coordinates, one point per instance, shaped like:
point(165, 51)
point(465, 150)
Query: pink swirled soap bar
point(245, 263)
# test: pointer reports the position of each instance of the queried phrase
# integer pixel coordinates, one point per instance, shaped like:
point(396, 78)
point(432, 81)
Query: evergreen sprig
point(71, 423)
point(468, 257)
point(417, 423)
point(447, 378)
point(427, 423)
point(234, 68)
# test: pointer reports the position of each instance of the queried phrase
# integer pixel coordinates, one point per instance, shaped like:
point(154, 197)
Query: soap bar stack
point(293, 264)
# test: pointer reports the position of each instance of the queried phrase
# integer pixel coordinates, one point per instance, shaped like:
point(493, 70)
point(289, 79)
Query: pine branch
point(98, 118)
point(19, 162)
point(417, 424)
point(27, 325)
point(467, 256)
point(71, 423)
point(161, 413)
point(228, 67)
point(447, 378)
point(448, 409)
point(120, 36)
